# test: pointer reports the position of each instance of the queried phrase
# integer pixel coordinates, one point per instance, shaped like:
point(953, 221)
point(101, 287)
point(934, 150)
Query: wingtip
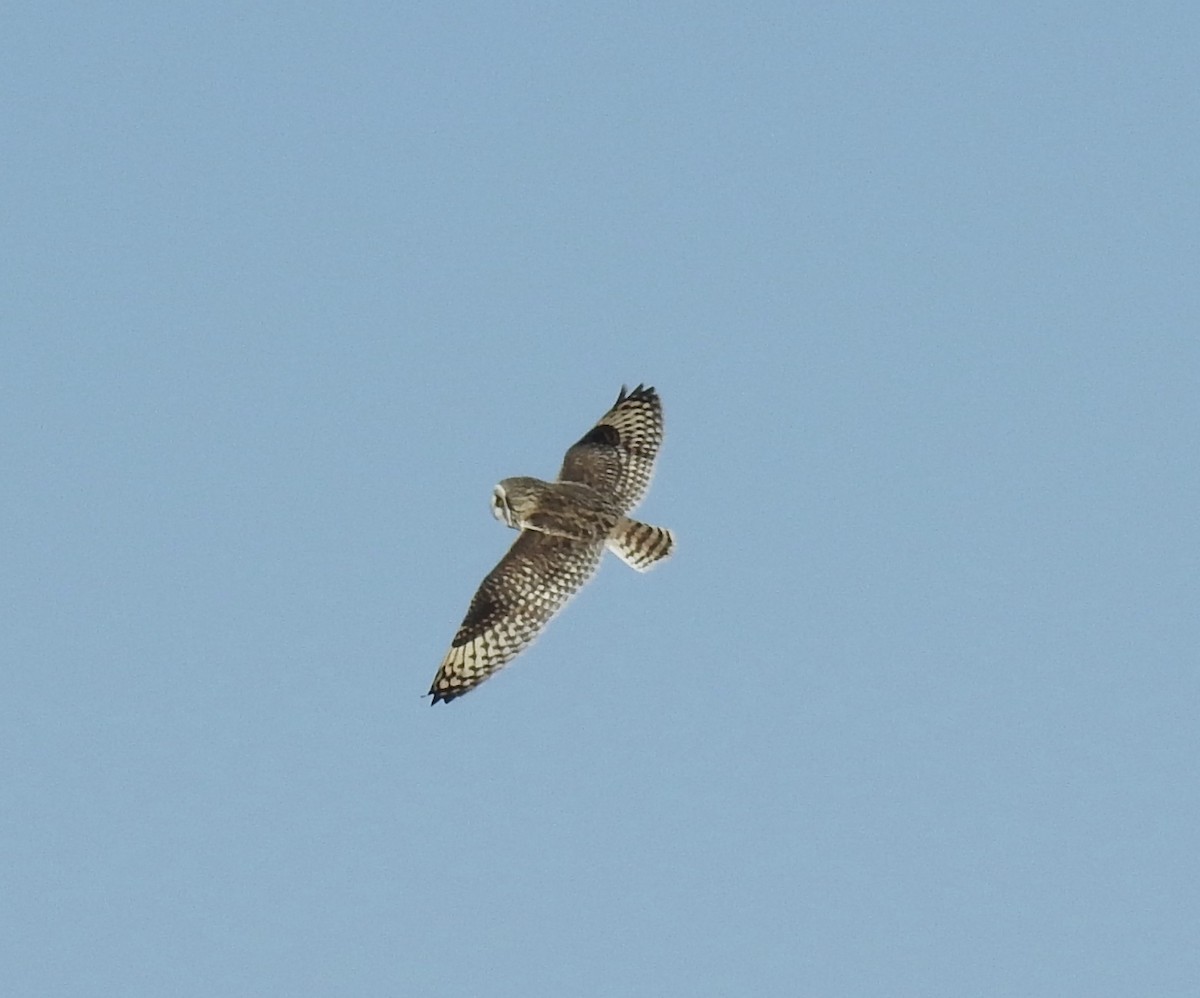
point(642, 390)
point(444, 696)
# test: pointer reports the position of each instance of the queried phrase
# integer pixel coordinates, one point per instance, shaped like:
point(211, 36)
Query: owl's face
point(514, 499)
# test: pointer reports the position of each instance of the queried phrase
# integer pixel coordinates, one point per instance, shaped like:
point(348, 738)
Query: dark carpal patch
point(603, 434)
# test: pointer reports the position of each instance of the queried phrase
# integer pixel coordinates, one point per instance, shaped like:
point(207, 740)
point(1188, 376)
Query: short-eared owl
point(565, 526)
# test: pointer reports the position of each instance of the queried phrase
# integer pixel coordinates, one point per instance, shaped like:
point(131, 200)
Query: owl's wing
point(531, 584)
point(617, 455)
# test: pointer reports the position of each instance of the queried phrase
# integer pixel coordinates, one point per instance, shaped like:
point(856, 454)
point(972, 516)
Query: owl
point(565, 526)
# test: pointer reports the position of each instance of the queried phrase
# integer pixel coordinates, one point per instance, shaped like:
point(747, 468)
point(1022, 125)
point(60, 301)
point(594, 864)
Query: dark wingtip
point(641, 391)
point(444, 696)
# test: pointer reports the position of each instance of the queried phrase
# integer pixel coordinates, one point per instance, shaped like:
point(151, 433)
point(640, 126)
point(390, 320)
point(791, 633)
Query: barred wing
point(617, 455)
point(514, 603)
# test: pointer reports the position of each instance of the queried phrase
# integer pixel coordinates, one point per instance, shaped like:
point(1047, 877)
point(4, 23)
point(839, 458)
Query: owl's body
point(565, 526)
point(564, 509)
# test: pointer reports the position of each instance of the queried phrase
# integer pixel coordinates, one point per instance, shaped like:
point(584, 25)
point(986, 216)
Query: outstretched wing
point(617, 455)
point(531, 584)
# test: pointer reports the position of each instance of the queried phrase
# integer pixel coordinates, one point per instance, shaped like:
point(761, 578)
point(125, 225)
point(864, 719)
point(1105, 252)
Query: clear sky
point(912, 712)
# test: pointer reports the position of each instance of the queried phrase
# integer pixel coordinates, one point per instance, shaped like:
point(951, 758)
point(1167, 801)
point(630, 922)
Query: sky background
point(913, 711)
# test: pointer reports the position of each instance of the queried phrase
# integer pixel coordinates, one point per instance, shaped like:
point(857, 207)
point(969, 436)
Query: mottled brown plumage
point(565, 527)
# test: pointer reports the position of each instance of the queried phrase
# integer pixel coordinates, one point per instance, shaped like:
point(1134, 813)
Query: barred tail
point(640, 545)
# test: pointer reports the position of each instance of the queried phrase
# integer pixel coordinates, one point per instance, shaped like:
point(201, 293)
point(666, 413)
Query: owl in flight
point(565, 526)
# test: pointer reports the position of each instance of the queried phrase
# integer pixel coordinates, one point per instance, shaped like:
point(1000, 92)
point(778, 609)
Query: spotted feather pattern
point(533, 581)
point(565, 526)
point(616, 456)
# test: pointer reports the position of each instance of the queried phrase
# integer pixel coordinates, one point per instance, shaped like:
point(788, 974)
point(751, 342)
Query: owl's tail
point(640, 545)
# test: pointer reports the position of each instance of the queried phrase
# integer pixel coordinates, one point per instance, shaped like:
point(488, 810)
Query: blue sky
point(913, 709)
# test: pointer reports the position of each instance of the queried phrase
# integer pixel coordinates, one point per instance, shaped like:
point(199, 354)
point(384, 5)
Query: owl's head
point(514, 499)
